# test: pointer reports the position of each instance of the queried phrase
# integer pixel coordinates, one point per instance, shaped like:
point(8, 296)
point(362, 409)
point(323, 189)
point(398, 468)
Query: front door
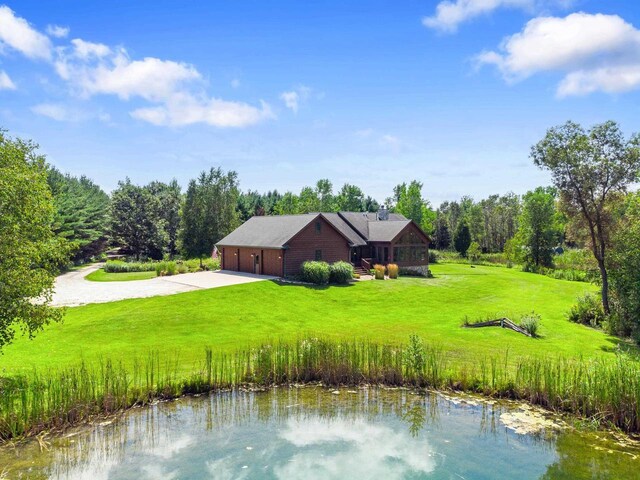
point(256, 264)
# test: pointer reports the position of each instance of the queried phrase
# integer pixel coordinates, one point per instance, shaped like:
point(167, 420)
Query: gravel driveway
point(71, 289)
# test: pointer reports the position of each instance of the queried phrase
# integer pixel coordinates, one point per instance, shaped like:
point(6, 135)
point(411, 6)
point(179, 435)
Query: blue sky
point(372, 93)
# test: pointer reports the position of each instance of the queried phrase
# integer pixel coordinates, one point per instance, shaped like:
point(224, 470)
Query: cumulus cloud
point(57, 31)
point(595, 52)
point(176, 88)
point(17, 34)
point(450, 14)
point(5, 81)
point(294, 98)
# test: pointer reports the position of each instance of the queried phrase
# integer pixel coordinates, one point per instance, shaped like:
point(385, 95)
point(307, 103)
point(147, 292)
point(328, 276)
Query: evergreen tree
point(81, 213)
point(462, 239)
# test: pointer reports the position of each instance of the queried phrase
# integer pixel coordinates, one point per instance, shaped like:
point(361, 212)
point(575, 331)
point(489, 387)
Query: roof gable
point(267, 231)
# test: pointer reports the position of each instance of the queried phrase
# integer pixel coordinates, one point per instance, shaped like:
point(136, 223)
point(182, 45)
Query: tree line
point(49, 217)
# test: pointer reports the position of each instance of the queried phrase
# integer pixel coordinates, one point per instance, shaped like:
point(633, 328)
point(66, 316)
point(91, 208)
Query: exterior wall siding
point(270, 260)
point(303, 247)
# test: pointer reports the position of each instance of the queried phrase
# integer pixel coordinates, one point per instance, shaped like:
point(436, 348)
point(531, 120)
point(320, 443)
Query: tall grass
point(605, 390)
point(162, 267)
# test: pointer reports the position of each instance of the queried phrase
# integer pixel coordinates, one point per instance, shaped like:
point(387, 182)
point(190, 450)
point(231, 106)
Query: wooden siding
point(396, 243)
point(270, 260)
point(303, 246)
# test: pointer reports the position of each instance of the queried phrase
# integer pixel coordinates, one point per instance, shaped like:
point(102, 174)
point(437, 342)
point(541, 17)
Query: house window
point(318, 255)
point(318, 228)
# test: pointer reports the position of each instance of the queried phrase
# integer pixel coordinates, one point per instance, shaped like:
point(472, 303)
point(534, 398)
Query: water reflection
point(312, 433)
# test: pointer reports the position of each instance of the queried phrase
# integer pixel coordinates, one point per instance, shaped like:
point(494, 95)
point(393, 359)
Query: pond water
point(314, 433)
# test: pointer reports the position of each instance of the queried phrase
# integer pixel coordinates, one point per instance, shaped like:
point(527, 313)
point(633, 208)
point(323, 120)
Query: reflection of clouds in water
point(167, 447)
point(226, 469)
point(101, 461)
point(366, 451)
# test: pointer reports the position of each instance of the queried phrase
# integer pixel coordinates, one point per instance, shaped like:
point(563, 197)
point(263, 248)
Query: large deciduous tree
point(134, 220)
point(209, 212)
point(29, 253)
point(590, 169)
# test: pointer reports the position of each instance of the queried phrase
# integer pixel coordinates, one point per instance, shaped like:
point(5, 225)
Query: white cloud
point(55, 111)
point(87, 50)
point(16, 33)
point(5, 81)
point(57, 31)
point(186, 109)
point(294, 98)
point(450, 14)
point(596, 52)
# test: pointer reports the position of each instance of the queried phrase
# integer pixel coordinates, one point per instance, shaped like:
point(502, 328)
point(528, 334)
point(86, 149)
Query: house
point(279, 245)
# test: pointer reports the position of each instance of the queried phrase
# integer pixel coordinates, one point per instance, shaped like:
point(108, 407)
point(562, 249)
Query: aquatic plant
point(605, 390)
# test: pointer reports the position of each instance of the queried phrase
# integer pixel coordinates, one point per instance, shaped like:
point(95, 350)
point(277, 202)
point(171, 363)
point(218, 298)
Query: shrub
point(356, 276)
point(433, 256)
point(340, 272)
point(166, 268)
point(378, 271)
point(588, 311)
point(316, 272)
point(393, 269)
point(473, 253)
point(530, 323)
point(118, 266)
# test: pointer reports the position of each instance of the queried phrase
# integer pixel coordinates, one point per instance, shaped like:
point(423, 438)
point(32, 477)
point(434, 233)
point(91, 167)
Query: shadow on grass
point(621, 345)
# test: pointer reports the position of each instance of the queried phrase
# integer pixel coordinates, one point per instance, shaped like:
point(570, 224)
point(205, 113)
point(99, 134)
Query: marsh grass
point(602, 391)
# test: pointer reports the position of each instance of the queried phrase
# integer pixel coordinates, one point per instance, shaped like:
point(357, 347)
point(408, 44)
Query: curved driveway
point(72, 289)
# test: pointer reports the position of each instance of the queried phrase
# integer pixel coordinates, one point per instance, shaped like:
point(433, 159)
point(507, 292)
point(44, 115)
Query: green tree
point(209, 212)
point(462, 239)
point(308, 201)
point(324, 189)
point(409, 202)
point(538, 233)
point(350, 199)
point(167, 211)
point(624, 265)
point(474, 252)
point(29, 252)
point(590, 169)
point(289, 204)
point(135, 224)
point(81, 213)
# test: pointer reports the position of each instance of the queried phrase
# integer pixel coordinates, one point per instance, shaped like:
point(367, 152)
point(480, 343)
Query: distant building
point(278, 245)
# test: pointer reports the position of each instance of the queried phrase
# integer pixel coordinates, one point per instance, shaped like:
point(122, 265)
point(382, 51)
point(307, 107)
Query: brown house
point(278, 245)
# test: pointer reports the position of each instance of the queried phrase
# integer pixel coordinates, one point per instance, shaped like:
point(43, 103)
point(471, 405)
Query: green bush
point(588, 311)
point(166, 268)
point(316, 272)
point(118, 266)
point(340, 272)
point(433, 256)
point(530, 323)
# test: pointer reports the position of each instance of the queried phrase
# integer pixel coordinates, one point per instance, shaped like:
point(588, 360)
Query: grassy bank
point(387, 311)
point(605, 390)
point(102, 276)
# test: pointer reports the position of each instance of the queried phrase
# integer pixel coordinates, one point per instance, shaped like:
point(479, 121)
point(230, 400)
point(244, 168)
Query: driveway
point(71, 289)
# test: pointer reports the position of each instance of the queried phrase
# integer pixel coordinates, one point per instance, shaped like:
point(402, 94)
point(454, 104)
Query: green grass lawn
point(387, 311)
point(102, 276)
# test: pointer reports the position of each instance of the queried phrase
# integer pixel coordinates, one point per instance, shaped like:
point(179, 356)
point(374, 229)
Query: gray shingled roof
point(276, 231)
point(267, 231)
point(344, 228)
point(385, 231)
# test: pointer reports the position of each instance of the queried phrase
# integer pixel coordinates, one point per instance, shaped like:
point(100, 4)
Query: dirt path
point(72, 289)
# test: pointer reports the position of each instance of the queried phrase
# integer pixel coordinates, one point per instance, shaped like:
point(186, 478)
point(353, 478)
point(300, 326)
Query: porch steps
point(361, 271)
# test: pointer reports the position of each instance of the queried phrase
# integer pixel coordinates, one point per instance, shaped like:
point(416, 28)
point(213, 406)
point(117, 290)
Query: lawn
point(181, 326)
point(102, 276)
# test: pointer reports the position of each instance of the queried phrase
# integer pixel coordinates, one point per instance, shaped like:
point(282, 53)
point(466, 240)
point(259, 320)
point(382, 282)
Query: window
point(318, 228)
point(318, 255)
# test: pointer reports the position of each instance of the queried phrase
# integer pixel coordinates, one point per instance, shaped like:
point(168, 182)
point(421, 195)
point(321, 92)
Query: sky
point(372, 93)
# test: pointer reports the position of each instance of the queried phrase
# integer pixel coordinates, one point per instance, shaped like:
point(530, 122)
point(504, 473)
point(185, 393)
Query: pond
point(311, 432)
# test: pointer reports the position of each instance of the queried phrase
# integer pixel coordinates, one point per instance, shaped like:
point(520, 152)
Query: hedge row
point(322, 273)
